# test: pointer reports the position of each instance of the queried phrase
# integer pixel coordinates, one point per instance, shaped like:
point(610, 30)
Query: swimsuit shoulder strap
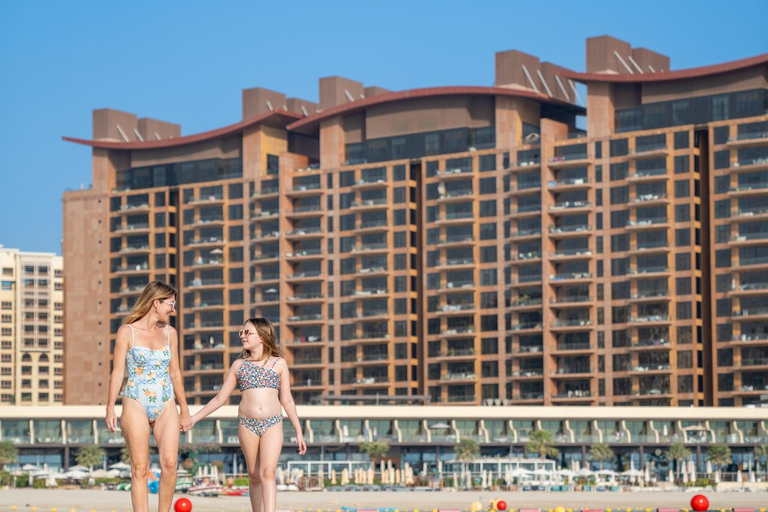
point(275, 362)
point(133, 337)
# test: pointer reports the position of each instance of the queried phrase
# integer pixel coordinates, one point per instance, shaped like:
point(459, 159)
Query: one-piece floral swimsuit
point(148, 380)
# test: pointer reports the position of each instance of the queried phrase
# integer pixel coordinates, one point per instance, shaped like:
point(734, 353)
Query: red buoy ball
point(699, 502)
point(501, 505)
point(183, 505)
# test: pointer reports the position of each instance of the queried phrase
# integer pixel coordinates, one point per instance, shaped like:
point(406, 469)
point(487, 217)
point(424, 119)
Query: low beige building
point(31, 328)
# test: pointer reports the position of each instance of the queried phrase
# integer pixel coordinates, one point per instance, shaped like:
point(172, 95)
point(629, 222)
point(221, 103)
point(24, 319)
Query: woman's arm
point(178, 382)
point(230, 381)
point(286, 399)
point(118, 372)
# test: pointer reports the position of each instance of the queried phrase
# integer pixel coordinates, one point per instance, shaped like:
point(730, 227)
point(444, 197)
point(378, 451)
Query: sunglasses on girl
point(244, 333)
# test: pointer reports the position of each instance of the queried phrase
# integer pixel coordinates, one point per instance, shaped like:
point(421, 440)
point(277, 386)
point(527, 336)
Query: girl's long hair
point(267, 334)
point(153, 291)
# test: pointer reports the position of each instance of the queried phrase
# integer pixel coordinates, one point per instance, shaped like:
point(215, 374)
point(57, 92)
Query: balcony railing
point(571, 323)
point(648, 222)
point(305, 231)
point(569, 370)
point(459, 376)
point(569, 229)
point(527, 373)
point(457, 307)
point(457, 193)
point(644, 198)
point(751, 312)
point(649, 318)
point(570, 275)
point(369, 202)
point(464, 330)
point(304, 318)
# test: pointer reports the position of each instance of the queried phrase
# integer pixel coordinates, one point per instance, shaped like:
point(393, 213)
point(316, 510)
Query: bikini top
point(252, 376)
point(144, 363)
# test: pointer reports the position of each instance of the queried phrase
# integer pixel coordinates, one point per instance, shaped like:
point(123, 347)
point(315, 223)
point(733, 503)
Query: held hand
point(186, 422)
point(302, 444)
point(111, 420)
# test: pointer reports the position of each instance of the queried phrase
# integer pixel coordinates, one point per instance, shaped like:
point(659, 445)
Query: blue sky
point(187, 62)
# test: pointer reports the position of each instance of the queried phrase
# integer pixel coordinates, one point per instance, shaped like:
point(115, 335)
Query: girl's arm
point(230, 381)
point(286, 399)
point(178, 382)
point(118, 372)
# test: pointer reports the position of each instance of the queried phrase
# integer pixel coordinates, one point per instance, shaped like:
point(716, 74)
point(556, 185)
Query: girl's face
point(249, 337)
point(165, 308)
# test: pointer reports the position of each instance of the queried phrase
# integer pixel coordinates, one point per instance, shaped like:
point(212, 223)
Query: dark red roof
point(356, 106)
point(277, 117)
point(681, 74)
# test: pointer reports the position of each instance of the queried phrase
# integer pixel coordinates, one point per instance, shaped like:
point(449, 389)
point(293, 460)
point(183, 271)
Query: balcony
point(527, 374)
point(458, 332)
point(197, 282)
point(131, 269)
point(649, 271)
point(306, 298)
point(573, 370)
point(456, 240)
point(370, 204)
point(663, 367)
point(309, 361)
point(648, 175)
point(752, 312)
point(461, 353)
point(265, 191)
point(374, 314)
point(211, 240)
point(308, 275)
point(529, 165)
point(651, 344)
point(570, 206)
point(651, 295)
point(652, 392)
point(211, 199)
point(455, 218)
point(527, 256)
point(749, 289)
point(649, 151)
point(370, 291)
point(756, 164)
point(456, 172)
point(306, 254)
point(571, 325)
point(570, 301)
point(574, 347)
point(569, 231)
point(756, 188)
point(753, 262)
point(519, 304)
point(131, 290)
point(527, 211)
point(649, 319)
point(304, 211)
point(743, 140)
point(313, 318)
point(265, 215)
point(452, 309)
point(459, 376)
point(561, 162)
point(458, 262)
point(525, 188)
point(209, 262)
point(455, 195)
point(382, 247)
point(304, 190)
point(570, 277)
point(652, 247)
point(750, 239)
point(372, 226)
point(134, 249)
point(370, 183)
point(647, 199)
point(571, 254)
point(527, 397)
point(267, 236)
point(131, 228)
point(379, 379)
point(751, 213)
point(574, 395)
point(527, 326)
point(647, 223)
point(305, 233)
point(570, 184)
point(134, 207)
point(526, 233)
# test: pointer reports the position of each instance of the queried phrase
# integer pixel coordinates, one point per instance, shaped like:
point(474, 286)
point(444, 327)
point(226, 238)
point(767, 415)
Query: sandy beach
point(119, 501)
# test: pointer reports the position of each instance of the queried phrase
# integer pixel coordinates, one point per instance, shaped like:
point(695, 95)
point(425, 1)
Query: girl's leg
point(271, 446)
point(166, 431)
point(250, 444)
point(135, 426)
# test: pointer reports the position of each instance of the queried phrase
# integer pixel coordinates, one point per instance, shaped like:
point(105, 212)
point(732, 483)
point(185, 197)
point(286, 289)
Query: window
point(682, 164)
point(488, 186)
point(682, 140)
point(273, 164)
point(682, 237)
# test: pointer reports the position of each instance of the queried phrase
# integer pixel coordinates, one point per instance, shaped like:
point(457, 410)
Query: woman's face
point(249, 336)
point(165, 308)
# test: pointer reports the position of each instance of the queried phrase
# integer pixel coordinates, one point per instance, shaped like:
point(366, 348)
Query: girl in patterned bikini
point(147, 346)
point(262, 375)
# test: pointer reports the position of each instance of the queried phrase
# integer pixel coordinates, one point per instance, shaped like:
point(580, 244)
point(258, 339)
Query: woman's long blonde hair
point(267, 334)
point(153, 291)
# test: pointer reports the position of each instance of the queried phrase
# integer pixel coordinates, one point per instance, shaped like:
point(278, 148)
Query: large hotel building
point(456, 245)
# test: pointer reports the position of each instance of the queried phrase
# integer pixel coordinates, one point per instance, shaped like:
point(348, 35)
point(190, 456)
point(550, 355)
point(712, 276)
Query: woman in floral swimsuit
point(147, 347)
point(262, 376)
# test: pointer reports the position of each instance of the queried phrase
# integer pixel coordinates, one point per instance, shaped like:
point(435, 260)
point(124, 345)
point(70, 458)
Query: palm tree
point(719, 455)
point(761, 452)
point(601, 452)
point(677, 452)
point(89, 456)
point(377, 450)
point(8, 453)
point(465, 451)
point(540, 442)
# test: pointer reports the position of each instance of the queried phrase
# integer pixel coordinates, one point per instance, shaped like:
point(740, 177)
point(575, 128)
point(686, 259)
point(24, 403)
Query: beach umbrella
point(398, 476)
point(31, 467)
point(709, 467)
point(751, 476)
point(100, 473)
point(371, 474)
point(381, 467)
point(647, 473)
point(344, 476)
point(391, 475)
point(321, 477)
point(670, 476)
point(484, 480)
point(468, 480)
point(333, 477)
point(739, 476)
point(79, 468)
point(76, 475)
point(717, 477)
point(685, 477)
point(455, 480)
point(120, 466)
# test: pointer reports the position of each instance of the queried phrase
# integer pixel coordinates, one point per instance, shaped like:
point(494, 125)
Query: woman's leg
point(250, 443)
point(166, 431)
point(135, 426)
point(271, 446)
